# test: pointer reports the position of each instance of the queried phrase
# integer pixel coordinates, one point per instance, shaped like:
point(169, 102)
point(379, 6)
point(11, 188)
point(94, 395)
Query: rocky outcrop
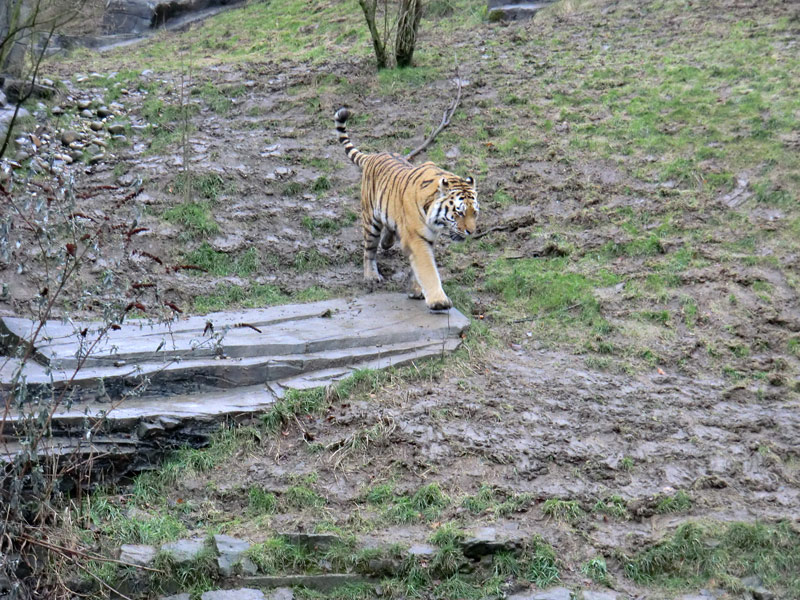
point(137, 16)
point(513, 10)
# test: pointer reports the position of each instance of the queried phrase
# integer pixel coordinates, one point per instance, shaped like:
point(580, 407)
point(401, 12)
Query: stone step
point(195, 377)
point(105, 384)
point(281, 330)
point(167, 412)
point(278, 343)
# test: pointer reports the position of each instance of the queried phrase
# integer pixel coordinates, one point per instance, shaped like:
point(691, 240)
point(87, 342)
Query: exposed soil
point(525, 410)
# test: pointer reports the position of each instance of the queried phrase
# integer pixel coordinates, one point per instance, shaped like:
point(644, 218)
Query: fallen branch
point(510, 225)
point(89, 556)
point(448, 114)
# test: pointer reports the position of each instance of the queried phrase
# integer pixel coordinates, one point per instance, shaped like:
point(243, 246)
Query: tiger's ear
point(470, 181)
point(443, 185)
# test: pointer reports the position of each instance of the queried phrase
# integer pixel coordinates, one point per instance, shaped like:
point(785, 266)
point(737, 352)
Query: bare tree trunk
point(15, 34)
point(409, 16)
point(368, 6)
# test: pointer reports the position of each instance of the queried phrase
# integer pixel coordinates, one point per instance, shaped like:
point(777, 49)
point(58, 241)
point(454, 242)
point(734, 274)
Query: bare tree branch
point(448, 114)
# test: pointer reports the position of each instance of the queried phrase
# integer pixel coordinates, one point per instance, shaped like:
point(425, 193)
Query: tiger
point(413, 204)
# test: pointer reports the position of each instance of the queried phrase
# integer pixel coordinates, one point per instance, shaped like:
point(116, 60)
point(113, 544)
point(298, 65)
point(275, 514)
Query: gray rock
point(116, 107)
point(762, 593)
point(230, 552)
point(281, 594)
point(96, 125)
point(184, 551)
point(485, 542)
point(313, 541)
point(84, 103)
point(104, 112)
point(19, 88)
point(116, 128)
point(423, 550)
point(3, 99)
point(240, 594)
point(247, 567)
point(57, 110)
point(592, 595)
point(148, 430)
point(137, 554)
point(7, 113)
point(87, 114)
point(177, 597)
point(384, 567)
point(96, 158)
point(454, 152)
point(558, 593)
point(69, 136)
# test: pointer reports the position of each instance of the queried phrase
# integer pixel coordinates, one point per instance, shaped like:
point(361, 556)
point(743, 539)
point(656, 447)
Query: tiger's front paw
point(439, 304)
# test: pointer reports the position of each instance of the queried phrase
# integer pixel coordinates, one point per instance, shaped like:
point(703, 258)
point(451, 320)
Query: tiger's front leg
point(420, 253)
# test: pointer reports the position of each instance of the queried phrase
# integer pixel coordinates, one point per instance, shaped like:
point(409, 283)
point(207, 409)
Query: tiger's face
point(456, 210)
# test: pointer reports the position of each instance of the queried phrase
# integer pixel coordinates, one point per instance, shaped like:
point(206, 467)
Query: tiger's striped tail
point(353, 153)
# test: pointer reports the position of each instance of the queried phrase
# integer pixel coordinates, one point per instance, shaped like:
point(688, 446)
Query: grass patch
point(567, 511)
point(596, 570)
point(205, 185)
point(196, 576)
point(680, 501)
point(259, 501)
point(310, 260)
point(490, 500)
point(325, 225)
point(698, 553)
point(222, 264)
point(194, 216)
point(613, 506)
point(426, 504)
point(547, 288)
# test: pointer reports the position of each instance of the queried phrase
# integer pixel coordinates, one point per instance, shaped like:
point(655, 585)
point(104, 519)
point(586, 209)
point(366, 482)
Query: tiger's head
point(456, 209)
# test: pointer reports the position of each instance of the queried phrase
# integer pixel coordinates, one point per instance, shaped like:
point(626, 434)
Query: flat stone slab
point(282, 345)
point(295, 329)
point(203, 369)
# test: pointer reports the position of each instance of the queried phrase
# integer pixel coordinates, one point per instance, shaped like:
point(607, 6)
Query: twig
point(511, 225)
point(448, 114)
point(65, 551)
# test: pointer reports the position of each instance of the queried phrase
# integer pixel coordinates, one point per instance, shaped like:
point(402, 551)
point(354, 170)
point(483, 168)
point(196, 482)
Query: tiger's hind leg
point(372, 237)
point(415, 293)
point(387, 238)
